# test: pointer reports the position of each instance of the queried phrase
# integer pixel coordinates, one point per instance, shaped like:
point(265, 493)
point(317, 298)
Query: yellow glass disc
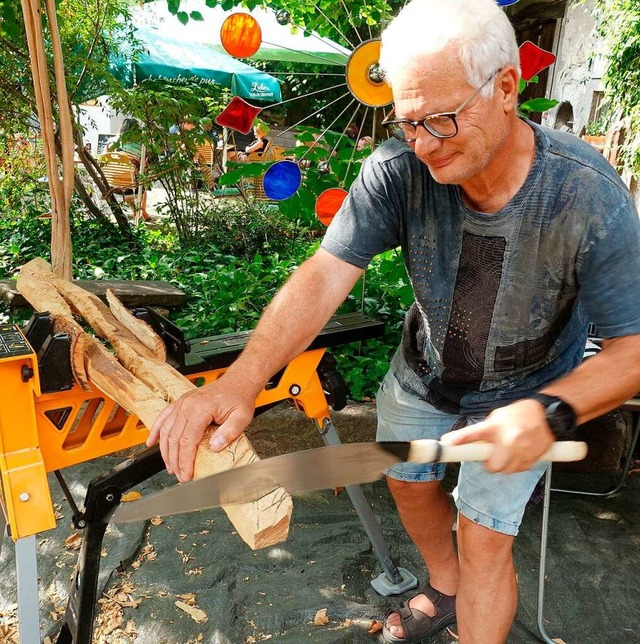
point(361, 76)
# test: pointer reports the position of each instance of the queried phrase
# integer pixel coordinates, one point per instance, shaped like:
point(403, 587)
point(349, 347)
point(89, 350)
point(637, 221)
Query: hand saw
point(313, 469)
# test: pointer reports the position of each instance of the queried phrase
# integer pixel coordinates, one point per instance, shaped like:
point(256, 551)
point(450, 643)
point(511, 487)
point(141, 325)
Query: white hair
point(485, 38)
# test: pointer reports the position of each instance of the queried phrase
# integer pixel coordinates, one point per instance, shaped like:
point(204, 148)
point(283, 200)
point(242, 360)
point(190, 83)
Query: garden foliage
point(619, 27)
point(243, 254)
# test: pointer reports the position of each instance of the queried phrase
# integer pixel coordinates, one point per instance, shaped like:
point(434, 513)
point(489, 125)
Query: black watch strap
point(560, 414)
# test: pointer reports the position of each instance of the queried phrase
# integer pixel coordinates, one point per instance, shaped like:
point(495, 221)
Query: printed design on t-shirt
point(478, 279)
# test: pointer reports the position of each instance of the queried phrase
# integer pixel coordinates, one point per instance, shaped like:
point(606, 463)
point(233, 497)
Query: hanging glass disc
point(329, 203)
point(238, 115)
point(282, 180)
point(533, 59)
point(364, 78)
point(241, 35)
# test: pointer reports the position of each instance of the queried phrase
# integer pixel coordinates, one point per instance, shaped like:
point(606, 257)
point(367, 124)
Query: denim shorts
point(495, 501)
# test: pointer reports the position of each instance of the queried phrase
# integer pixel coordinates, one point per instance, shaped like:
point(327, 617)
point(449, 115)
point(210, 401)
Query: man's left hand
point(519, 433)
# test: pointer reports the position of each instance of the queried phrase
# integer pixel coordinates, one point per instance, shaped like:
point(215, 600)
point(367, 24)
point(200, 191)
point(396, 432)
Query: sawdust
point(110, 625)
point(9, 624)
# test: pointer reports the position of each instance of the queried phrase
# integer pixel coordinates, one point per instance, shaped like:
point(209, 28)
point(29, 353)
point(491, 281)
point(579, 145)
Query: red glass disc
point(329, 203)
point(241, 35)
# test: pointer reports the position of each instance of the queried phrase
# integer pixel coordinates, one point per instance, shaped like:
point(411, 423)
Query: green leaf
point(196, 15)
point(538, 105)
point(173, 6)
point(522, 86)
point(183, 17)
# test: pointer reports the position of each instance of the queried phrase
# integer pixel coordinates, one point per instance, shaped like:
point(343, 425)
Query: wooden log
point(144, 386)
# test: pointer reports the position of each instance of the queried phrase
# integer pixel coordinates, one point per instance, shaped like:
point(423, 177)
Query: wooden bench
point(130, 292)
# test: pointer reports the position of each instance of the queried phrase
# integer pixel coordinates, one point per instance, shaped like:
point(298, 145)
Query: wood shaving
point(185, 556)
point(188, 598)
point(375, 627)
point(197, 614)
point(73, 541)
point(134, 495)
point(321, 617)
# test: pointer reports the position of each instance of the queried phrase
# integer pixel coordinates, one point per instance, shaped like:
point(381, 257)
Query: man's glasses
point(442, 125)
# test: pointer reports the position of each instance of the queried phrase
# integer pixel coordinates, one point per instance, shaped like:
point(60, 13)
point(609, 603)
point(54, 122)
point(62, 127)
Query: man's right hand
point(179, 428)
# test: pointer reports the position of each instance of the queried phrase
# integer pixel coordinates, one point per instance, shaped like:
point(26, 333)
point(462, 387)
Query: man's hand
point(519, 433)
point(180, 426)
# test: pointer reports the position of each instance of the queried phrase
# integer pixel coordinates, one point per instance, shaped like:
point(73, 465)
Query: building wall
point(575, 78)
point(100, 122)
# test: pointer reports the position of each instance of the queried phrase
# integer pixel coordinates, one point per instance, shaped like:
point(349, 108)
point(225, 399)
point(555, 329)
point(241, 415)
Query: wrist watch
point(560, 414)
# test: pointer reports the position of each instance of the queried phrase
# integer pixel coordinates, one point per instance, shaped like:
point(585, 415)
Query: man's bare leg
point(488, 592)
point(427, 516)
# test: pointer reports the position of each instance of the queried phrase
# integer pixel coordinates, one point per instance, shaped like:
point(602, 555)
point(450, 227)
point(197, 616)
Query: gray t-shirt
point(502, 301)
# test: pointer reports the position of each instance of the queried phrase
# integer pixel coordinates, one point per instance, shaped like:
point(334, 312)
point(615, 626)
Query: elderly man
point(514, 237)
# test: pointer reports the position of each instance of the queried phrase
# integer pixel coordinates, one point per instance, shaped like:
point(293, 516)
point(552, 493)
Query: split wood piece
point(139, 360)
point(140, 329)
point(261, 523)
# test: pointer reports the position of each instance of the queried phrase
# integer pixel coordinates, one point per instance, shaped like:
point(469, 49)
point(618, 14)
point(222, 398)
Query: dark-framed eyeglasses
point(443, 125)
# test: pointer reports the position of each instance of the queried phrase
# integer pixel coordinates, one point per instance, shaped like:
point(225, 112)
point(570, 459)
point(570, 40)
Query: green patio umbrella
point(167, 58)
point(279, 42)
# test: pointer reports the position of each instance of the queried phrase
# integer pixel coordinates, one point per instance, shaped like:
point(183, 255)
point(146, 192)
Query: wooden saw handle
point(422, 451)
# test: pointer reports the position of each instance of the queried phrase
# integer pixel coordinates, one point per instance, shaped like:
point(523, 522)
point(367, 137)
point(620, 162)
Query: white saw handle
point(425, 451)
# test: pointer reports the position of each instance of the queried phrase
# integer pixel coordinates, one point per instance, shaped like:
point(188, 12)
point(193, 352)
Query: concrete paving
point(189, 578)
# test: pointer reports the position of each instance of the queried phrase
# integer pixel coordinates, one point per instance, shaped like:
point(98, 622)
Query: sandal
point(417, 625)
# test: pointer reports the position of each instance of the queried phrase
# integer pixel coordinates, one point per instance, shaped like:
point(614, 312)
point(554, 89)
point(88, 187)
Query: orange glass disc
point(329, 203)
point(241, 35)
point(362, 80)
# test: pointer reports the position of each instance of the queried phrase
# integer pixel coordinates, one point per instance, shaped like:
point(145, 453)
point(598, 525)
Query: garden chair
point(207, 160)
point(121, 174)
point(252, 187)
point(276, 153)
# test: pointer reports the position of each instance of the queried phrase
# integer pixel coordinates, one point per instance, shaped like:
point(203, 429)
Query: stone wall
point(575, 77)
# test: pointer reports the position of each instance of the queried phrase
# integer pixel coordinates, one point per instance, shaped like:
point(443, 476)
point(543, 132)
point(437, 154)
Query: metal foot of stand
point(385, 587)
point(394, 580)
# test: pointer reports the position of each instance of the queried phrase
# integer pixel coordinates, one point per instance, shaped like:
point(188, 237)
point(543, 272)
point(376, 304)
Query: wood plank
point(131, 293)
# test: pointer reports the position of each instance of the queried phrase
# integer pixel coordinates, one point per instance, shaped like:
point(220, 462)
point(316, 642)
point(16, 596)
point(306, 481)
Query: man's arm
point(520, 431)
point(287, 327)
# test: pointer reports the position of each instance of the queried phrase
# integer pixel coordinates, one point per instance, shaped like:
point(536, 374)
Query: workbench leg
point(27, 573)
point(394, 580)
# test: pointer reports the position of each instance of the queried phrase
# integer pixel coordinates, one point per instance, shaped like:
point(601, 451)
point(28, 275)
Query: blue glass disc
point(506, 3)
point(282, 180)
